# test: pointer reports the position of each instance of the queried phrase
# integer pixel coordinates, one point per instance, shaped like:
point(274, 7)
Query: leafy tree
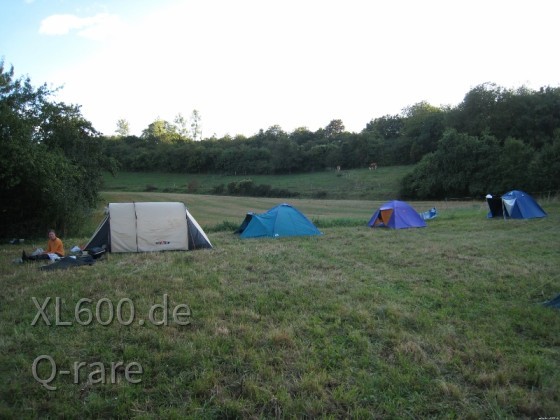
point(275, 133)
point(302, 135)
point(461, 166)
point(181, 124)
point(123, 128)
point(196, 125)
point(388, 127)
point(386, 133)
point(474, 114)
point(511, 169)
point(334, 128)
point(373, 149)
point(423, 127)
point(544, 169)
point(229, 161)
point(527, 115)
point(285, 155)
point(51, 160)
point(161, 131)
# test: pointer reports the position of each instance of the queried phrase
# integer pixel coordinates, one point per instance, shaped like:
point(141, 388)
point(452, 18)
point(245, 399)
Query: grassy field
point(211, 210)
point(381, 184)
point(440, 322)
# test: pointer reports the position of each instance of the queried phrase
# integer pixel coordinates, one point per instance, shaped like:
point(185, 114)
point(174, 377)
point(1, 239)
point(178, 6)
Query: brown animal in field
point(338, 168)
point(373, 166)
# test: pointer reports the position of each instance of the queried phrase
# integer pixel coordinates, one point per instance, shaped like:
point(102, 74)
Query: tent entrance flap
point(385, 216)
point(509, 206)
point(100, 239)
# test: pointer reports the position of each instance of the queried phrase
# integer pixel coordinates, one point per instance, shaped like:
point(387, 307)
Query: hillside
point(361, 184)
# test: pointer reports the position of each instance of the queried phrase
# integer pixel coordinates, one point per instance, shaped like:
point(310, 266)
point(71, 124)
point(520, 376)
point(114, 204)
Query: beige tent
point(147, 227)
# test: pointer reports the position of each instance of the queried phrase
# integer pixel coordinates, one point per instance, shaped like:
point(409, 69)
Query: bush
point(232, 188)
point(262, 190)
point(247, 187)
point(218, 189)
point(192, 186)
point(319, 194)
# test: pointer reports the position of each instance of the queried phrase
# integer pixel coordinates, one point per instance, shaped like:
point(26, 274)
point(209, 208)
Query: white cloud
point(59, 24)
point(255, 64)
point(100, 26)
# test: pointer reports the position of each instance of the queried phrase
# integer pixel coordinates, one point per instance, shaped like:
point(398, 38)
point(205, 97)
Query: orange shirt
point(55, 246)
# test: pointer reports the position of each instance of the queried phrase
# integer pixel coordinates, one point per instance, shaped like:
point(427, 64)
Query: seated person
point(54, 246)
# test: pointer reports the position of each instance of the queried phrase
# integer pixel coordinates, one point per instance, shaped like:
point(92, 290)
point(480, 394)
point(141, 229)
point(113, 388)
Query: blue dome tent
point(280, 221)
point(515, 205)
point(396, 215)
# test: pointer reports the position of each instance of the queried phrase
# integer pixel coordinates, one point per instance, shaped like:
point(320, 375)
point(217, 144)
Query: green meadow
point(439, 322)
point(352, 184)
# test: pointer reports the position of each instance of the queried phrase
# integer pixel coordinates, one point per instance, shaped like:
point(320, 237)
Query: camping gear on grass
point(396, 215)
point(68, 262)
point(96, 252)
point(280, 221)
point(147, 227)
point(430, 214)
point(515, 205)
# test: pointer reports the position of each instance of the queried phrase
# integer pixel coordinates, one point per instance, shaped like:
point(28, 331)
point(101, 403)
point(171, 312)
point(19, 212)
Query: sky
point(247, 65)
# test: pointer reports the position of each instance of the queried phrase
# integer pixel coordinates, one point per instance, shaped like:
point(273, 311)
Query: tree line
point(52, 158)
point(495, 139)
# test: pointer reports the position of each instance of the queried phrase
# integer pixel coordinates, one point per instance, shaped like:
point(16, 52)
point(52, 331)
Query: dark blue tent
point(282, 220)
point(553, 303)
point(515, 205)
point(396, 215)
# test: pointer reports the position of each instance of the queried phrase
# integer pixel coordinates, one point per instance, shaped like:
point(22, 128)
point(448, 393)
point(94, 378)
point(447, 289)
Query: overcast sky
point(247, 65)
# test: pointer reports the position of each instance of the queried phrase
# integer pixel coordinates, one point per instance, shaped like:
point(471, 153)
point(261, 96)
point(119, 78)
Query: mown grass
point(211, 210)
point(347, 184)
point(438, 322)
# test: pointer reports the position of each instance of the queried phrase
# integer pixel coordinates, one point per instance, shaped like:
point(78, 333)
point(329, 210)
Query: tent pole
point(135, 224)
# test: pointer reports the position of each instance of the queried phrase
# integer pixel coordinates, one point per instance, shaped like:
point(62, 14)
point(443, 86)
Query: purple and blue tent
point(396, 215)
